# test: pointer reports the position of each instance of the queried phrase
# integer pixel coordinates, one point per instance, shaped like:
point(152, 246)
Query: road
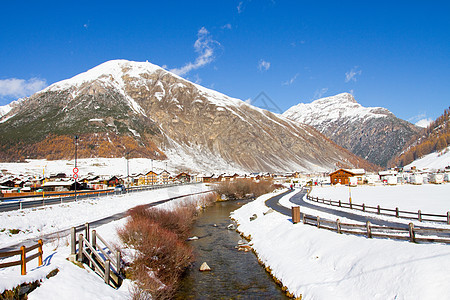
point(297, 199)
point(52, 236)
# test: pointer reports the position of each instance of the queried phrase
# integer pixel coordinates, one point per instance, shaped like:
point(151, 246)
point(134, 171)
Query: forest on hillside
point(435, 138)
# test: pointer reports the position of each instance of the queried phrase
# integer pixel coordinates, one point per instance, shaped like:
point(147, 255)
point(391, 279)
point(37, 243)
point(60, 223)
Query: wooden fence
point(411, 233)
point(419, 215)
point(98, 254)
point(23, 257)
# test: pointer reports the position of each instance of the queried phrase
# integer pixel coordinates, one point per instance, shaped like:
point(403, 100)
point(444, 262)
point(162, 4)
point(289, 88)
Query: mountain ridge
point(373, 133)
point(139, 109)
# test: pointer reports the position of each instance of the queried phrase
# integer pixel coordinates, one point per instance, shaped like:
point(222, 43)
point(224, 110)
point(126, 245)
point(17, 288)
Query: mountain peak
point(109, 70)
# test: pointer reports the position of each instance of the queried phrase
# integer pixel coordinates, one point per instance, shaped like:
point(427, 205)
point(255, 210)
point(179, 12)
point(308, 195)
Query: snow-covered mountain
point(373, 133)
point(141, 110)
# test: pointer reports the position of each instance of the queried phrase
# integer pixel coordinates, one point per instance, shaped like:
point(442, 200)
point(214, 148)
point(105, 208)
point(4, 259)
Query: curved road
point(51, 236)
point(297, 199)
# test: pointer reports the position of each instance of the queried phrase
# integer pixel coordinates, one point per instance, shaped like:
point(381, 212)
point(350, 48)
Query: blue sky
point(394, 54)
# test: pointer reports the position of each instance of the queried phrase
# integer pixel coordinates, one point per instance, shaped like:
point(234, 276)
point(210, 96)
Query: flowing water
point(234, 274)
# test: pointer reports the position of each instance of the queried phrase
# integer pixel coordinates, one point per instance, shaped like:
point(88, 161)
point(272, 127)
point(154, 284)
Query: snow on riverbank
point(73, 282)
point(320, 264)
point(36, 222)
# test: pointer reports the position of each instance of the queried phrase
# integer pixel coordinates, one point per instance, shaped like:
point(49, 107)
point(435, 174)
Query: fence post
point(73, 236)
point(87, 231)
point(23, 261)
point(60, 199)
point(338, 226)
point(94, 239)
point(303, 218)
point(448, 217)
point(419, 215)
point(318, 222)
point(295, 211)
point(80, 247)
point(340, 204)
point(378, 209)
point(107, 271)
point(20, 204)
point(350, 202)
point(369, 230)
point(396, 212)
point(411, 233)
point(363, 207)
point(119, 260)
point(40, 252)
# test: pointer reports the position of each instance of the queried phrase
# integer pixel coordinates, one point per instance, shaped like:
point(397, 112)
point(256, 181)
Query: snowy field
point(429, 198)
point(73, 282)
point(177, 163)
point(320, 264)
point(36, 222)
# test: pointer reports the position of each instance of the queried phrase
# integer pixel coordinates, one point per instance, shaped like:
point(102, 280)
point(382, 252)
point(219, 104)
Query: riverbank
point(320, 264)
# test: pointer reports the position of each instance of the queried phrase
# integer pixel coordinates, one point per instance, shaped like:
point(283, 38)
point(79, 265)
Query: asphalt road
point(52, 236)
point(297, 199)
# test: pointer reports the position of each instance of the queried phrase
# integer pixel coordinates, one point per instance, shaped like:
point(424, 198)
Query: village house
point(342, 176)
point(151, 178)
point(164, 177)
point(183, 177)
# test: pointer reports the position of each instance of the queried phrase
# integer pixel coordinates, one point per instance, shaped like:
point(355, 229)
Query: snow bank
point(429, 198)
point(73, 282)
point(35, 222)
point(320, 264)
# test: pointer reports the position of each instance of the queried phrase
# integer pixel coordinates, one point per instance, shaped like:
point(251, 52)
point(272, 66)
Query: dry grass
point(243, 188)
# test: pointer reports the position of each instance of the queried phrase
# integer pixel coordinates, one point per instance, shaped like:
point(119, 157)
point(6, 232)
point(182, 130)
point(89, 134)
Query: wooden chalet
point(164, 177)
point(342, 176)
point(113, 181)
point(183, 177)
point(151, 178)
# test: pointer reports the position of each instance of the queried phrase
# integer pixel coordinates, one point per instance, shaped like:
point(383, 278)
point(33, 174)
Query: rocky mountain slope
point(373, 133)
point(141, 110)
point(435, 138)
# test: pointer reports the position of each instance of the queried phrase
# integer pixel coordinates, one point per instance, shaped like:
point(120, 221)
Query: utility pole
point(128, 170)
point(75, 169)
point(153, 173)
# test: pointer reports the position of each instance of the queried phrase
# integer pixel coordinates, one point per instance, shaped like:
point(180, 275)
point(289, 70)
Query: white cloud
point(205, 47)
point(226, 26)
point(421, 120)
point(319, 93)
point(14, 87)
point(263, 65)
point(240, 7)
point(290, 81)
point(424, 122)
point(351, 75)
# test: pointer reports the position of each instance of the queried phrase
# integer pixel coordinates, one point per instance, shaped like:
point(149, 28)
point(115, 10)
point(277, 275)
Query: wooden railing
point(419, 215)
point(23, 257)
point(98, 254)
point(411, 233)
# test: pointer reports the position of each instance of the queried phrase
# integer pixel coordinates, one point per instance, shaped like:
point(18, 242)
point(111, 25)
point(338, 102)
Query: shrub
point(240, 188)
point(162, 255)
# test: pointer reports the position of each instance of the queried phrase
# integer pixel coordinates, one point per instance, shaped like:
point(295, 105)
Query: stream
point(234, 274)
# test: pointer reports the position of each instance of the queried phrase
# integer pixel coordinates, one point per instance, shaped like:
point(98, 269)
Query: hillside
point(373, 133)
point(435, 138)
point(141, 110)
